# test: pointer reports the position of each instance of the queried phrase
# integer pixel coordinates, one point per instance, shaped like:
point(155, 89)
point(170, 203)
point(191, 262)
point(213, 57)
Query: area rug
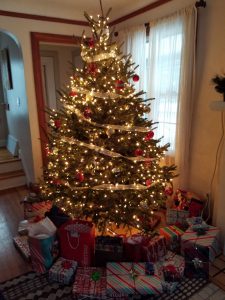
point(32, 286)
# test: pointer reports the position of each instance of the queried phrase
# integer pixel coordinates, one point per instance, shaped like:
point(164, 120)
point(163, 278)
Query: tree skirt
point(32, 286)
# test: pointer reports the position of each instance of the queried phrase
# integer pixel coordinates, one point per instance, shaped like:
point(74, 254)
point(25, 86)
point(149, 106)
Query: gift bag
point(77, 241)
point(41, 241)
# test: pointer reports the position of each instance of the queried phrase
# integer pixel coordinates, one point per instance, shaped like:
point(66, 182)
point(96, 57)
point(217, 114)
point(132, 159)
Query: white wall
point(21, 29)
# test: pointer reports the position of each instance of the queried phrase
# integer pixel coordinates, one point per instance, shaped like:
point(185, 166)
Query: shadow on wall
point(15, 100)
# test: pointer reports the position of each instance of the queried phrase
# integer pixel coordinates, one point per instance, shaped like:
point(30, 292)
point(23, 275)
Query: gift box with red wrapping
point(124, 278)
point(33, 207)
point(63, 271)
point(210, 240)
point(154, 249)
point(173, 236)
point(174, 216)
point(133, 247)
point(108, 248)
point(21, 243)
point(90, 283)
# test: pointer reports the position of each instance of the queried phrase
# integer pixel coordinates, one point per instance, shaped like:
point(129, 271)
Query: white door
point(48, 81)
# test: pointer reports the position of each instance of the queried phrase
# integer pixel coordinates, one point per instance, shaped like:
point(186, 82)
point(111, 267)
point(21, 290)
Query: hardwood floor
point(11, 213)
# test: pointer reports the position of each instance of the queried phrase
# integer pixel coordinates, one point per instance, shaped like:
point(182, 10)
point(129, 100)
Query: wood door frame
point(36, 39)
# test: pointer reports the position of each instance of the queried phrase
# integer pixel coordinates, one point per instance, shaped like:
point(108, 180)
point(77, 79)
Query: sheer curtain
point(170, 79)
point(134, 43)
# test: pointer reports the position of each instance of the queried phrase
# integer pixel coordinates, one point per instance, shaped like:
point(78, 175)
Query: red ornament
point(136, 78)
point(138, 152)
point(72, 94)
point(79, 176)
point(57, 182)
point(168, 191)
point(57, 123)
point(91, 43)
point(119, 84)
point(149, 135)
point(92, 68)
point(148, 182)
point(87, 113)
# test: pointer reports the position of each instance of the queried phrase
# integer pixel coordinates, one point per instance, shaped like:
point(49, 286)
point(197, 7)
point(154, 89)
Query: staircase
point(11, 171)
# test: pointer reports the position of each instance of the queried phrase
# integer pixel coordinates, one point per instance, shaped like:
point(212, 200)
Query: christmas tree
point(103, 160)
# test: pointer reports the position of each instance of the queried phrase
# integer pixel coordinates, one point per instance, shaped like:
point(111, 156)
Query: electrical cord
point(209, 197)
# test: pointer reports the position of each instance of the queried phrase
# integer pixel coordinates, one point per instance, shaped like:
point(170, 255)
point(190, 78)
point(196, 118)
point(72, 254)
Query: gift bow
point(66, 264)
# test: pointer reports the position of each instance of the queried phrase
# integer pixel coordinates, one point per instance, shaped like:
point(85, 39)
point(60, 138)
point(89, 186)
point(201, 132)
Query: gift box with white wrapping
point(90, 283)
point(124, 278)
point(63, 271)
point(210, 240)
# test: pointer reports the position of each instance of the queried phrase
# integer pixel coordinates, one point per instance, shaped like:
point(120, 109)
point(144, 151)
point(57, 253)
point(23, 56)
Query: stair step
point(10, 165)
point(12, 179)
point(11, 174)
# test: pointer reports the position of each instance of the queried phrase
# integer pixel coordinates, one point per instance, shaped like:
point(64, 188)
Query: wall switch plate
point(18, 101)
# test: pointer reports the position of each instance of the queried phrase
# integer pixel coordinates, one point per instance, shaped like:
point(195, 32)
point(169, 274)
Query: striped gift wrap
point(209, 240)
point(124, 278)
point(63, 271)
point(173, 236)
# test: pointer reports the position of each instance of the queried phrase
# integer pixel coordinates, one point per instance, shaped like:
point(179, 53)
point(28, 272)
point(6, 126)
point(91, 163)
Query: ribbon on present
point(90, 282)
point(66, 264)
point(130, 278)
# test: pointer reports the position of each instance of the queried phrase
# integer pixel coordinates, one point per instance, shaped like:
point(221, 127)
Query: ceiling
point(73, 9)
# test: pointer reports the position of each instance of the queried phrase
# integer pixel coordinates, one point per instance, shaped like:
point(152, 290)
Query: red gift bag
point(77, 241)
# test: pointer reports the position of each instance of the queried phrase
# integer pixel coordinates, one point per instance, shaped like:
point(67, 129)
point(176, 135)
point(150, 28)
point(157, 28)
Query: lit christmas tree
point(103, 160)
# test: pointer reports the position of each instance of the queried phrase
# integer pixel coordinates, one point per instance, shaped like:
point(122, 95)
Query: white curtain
point(134, 43)
point(170, 79)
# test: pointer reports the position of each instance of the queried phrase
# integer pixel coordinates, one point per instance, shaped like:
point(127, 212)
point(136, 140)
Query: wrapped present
point(174, 215)
point(196, 262)
point(194, 221)
point(90, 283)
point(130, 278)
point(23, 227)
point(173, 236)
point(63, 271)
point(187, 200)
point(33, 207)
point(77, 241)
point(41, 241)
point(57, 216)
point(133, 247)
point(154, 249)
point(21, 243)
point(177, 263)
point(108, 248)
point(209, 239)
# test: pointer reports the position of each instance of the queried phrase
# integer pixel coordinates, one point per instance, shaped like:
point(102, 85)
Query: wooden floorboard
point(11, 213)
